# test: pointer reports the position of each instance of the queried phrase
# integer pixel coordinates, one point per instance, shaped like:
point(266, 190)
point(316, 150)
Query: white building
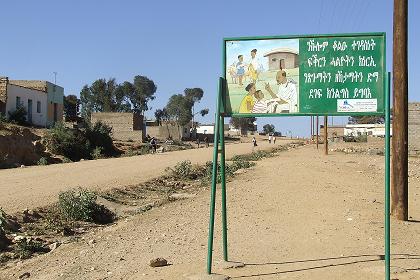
point(43, 101)
point(377, 130)
point(34, 102)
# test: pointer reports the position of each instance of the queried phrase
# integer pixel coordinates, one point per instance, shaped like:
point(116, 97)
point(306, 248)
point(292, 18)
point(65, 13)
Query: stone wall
point(3, 94)
point(125, 126)
point(414, 128)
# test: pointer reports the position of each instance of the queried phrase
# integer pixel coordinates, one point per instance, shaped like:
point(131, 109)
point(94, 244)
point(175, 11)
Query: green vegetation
point(42, 161)
point(74, 144)
point(18, 116)
point(26, 247)
point(109, 96)
point(269, 128)
point(80, 205)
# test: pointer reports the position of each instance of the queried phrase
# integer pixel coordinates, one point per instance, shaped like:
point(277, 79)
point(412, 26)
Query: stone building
point(414, 128)
point(125, 126)
point(42, 100)
point(282, 58)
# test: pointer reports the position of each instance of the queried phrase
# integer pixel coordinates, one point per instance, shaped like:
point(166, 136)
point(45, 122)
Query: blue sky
point(178, 44)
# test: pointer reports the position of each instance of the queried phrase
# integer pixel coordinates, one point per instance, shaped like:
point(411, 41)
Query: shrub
point(99, 135)
point(42, 161)
point(2, 118)
point(18, 116)
point(80, 205)
point(66, 160)
point(67, 142)
point(77, 204)
point(97, 153)
point(25, 248)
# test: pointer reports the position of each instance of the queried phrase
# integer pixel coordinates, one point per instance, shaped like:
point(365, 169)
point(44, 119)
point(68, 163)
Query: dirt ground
point(300, 215)
point(36, 186)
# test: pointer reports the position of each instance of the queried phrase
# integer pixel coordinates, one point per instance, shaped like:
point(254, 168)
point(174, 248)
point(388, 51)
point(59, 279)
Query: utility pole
point(326, 134)
point(399, 189)
point(317, 132)
point(312, 127)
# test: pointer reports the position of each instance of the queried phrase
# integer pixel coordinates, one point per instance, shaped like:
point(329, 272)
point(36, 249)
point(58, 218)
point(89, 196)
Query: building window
point(38, 106)
point(17, 102)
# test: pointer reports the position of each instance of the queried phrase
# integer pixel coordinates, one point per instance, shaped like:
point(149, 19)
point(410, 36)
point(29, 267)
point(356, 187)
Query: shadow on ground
point(345, 259)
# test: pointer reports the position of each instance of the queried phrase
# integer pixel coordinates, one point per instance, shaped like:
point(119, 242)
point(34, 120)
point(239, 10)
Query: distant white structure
point(209, 128)
point(377, 130)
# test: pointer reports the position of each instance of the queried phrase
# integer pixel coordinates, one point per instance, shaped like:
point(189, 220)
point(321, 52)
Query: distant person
point(153, 144)
point(274, 139)
point(206, 141)
point(254, 143)
point(269, 138)
point(198, 142)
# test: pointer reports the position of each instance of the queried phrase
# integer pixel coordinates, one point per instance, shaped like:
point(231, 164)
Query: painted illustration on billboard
point(329, 74)
point(263, 76)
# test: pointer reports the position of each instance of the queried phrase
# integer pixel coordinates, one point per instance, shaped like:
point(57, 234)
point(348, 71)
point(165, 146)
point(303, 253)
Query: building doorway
point(30, 110)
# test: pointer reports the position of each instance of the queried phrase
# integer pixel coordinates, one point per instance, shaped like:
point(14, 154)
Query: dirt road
point(36, 186)
point(300, 215)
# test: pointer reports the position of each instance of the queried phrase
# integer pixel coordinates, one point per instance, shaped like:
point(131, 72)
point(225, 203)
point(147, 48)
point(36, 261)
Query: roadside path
point(36, 186)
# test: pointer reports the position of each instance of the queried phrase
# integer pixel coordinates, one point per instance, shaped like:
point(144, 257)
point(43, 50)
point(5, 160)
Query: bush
point(80, 205)
point(25, 248)
point(97, 153)
point(18, 116)
point(67, 142)
point(99, 135)
point(42, 161)
point(77, 204)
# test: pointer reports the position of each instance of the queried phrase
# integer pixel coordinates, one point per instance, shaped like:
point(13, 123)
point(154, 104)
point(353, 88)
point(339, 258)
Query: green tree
point(71, 107)
point(161, 115)
point(109, 96)
point(268, 128)
point(140, 93)
point(179, 109)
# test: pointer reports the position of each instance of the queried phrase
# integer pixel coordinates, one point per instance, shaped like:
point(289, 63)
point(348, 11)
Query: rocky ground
point(300, 215)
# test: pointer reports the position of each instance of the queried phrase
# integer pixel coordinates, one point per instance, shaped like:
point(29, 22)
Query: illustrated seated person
point(286, 94)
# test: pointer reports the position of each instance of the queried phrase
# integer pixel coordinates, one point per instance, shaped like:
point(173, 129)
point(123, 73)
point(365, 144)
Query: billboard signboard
point(305, 75)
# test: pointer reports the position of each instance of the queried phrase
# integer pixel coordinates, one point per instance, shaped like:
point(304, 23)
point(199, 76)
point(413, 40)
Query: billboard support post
point(214, 180)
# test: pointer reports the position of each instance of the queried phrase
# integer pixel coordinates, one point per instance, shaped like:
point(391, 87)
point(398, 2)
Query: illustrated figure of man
point(247, 102)
point(287, 94)
point(262, 106)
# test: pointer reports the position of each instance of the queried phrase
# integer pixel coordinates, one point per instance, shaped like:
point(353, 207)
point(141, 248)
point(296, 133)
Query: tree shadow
point(373, 258)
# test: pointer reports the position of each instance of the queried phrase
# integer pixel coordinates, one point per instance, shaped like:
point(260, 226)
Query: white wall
point(13, 91)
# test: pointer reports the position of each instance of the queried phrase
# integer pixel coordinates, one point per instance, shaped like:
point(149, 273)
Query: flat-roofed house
point(42, 100)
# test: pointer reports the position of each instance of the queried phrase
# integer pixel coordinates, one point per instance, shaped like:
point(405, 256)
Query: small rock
point(158, 262)
point(22, 166)
point(91, 242)
point(25, 275)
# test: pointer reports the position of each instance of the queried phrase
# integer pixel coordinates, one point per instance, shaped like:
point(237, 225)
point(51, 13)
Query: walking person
point(254, 143)
point(206, 141)
point(269, 138)
point(198, 142)
point(274, 139)
point(153, 144)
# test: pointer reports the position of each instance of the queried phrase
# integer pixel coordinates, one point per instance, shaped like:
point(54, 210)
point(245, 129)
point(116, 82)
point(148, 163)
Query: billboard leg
point(223, 178)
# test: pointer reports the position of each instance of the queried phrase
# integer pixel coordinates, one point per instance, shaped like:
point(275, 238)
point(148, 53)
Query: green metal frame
point(219, 148)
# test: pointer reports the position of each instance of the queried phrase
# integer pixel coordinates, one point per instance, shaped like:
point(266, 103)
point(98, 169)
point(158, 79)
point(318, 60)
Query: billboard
point(305, 75)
